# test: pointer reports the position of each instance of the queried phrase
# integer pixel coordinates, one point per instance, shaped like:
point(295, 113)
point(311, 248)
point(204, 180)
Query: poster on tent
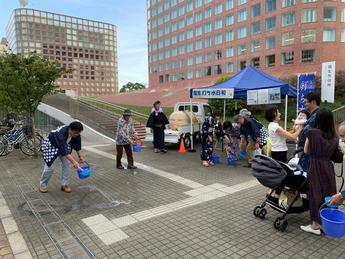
point(306, 84)
point(214, 93)
point(263, 96)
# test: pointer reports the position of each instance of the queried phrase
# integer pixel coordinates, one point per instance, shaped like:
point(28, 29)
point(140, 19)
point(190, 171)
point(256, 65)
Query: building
point(88, 47)
point(3, 45)
point(195, 42)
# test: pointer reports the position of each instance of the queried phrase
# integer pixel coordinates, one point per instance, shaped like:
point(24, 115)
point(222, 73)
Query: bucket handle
point(84, 163)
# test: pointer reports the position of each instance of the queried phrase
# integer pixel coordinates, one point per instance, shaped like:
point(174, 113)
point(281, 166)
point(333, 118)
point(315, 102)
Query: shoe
point(309, 229)
point(206, 164)
point(210, 163)
point(132, 167)
point(65, 188)
point(163, 151)
point(43, 189)
point(120, 167)
point(156, 150)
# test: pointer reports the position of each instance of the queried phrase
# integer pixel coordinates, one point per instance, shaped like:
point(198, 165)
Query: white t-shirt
point(278, 142)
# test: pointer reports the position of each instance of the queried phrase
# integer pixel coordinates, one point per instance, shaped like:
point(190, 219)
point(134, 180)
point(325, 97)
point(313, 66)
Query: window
point(208, 71)
point(208, 27)
point(198, 31)
point(242, 32)
point(240, 2)
point(308, 36)
point(270, 60)
point(198, 3)
point(181, 50)
point(198, 45)
point(286, 3)
point(270, 42)
point(181, 10)
point(229, 67)
point(181, 24)
point(218, 24)
point(208, 57)
point(329, 14)
point(190, 34)
point(190, 61)
point(255, 62)
point(208, 42)
point(288, 38)
point(308, 1)
point(217, 69)
point(198, 59)
point(190, 47)
point(241, 50)
point(255, 28)
point(198, 17)
point(309, 15)
point(229, 52)
point(218, 8)
point(218, 39)
point(229, 36)
point(342, 36)
point(271, 5)
point(342, 15)
point(287, 57)
point(189, 6)
point(189, 20)
point(181, 37)
point(255, 46)
point(329, 35)
point(198, 73)
point(229, 19)
point(208, 12)
point(270, 23)
point(242, 15)
point(243, 64)
point(255, 10)
point(288, 19)
point(218, 54)
point(308, 55)
point(229, 4)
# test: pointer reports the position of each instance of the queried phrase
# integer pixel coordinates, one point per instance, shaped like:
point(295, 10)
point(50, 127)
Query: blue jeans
point(49, 170)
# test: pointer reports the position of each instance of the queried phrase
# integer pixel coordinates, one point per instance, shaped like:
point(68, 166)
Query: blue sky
point(128, 15)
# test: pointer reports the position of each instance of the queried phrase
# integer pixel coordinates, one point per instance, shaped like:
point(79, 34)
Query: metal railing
point(339, 114)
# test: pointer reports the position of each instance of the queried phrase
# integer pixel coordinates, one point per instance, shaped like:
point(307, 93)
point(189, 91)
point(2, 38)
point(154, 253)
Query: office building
point(195, 42)
point(87, 47)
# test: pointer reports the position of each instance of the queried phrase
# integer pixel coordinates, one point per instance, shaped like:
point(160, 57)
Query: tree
point(129, 87)
point(24, 81)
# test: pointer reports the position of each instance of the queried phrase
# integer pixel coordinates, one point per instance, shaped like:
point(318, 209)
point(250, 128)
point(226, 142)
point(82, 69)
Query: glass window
point(342, 36)
point(198, 3)
point(173, 26)
point(270, 42)
point(181, 50)
point(255, 28)
point(198, 73)
point(208, 71)
point(241, 50)
point(255, 46)
point(189, 6)
point(342, 15)
point(198, 45)
point(288, 19)
point(218, 8)
point(308, 1)
point(242, 15)
point(229, 19)
point(287, 57)
point(181, 36)
point(190, 34)
point(270, 23)
point(308, 36)
point(208, 27)
point(218, 24)
point(255, 62)
point(189, 20)
point(229, 67)
point(271, 5)
point(190, 61)
point(218, 54)
point(229, 36)
point(198, 17)
point(329, 14)
point(217, 69)
point(189, 47)
point(270, 60)
point(198, 31)
point(208, 12)
point(309, 15)
point(218, 39)
point(329, 35)
point(286, 3)
point(229, 52)
point(288, 38)
point(208, 42)
point(173, 14)
point(208, 57)
point(308, 55)
point(181, 10)
point(242, 32)
point(229, 4)
point(240, 2)
point(255, 10)
point(181, 24)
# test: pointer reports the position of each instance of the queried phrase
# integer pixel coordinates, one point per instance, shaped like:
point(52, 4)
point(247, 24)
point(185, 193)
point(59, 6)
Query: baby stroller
point(280, 177)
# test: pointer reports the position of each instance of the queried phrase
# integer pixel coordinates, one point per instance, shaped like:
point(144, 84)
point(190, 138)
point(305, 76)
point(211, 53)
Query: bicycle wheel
point(8, 147)
point(2, 148)
point(28, 148)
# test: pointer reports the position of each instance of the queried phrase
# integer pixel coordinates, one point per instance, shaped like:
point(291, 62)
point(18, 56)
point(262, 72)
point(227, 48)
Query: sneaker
point(132, 167)
point(163, 151)
point(65, 188)
point(43, 189)
point(120, 167)
point(309, 229)
point(156, 150)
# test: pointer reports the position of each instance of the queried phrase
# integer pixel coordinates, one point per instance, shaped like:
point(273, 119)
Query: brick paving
point(223, 227)
point(5, 248)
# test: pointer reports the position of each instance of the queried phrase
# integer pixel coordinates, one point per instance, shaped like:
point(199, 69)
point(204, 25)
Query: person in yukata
point(157, 122)
point(59, 144)
point(232, 138)
point(207, 135)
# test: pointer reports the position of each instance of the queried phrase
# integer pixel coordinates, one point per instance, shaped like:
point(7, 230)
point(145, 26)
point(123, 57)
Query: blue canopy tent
point(247, 79)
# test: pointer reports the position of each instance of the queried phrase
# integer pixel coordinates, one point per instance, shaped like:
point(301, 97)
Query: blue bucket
point(243, 154)
point(216, 159)
point(333, 222)
point(84, 172)
point(327, 200)
point(136, 148)
point(232, 160)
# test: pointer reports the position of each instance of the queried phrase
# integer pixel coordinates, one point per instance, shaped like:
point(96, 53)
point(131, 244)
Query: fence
point(339, 114)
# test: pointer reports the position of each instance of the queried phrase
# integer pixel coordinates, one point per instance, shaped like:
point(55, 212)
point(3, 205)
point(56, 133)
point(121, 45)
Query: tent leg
point(224, 110)
point(286, 110)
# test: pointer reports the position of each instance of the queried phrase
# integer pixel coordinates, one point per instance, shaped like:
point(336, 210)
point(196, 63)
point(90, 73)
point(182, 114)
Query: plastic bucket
point(243, 154)
point(333, 222)
point(232, 160)
point(216, 159)
point(84, 172)
point(327, 200)
point(137, 148)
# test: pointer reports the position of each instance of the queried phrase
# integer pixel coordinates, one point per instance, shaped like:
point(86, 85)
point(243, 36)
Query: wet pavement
point(170, 207)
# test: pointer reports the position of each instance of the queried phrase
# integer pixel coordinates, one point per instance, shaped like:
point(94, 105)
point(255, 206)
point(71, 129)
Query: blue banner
point(306, 84)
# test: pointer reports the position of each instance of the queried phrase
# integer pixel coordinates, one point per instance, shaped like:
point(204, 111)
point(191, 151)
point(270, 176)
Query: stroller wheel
point(262, 213)
point(256, 211)
point(276, 223)
point(283, 225)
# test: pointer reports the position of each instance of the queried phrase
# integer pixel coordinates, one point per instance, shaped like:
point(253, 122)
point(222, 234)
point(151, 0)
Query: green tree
point(129, 87)
point(24, 81)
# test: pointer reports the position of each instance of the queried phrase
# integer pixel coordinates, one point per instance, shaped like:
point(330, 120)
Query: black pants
point(158, 137)
point(119, 152)
point(279, 156)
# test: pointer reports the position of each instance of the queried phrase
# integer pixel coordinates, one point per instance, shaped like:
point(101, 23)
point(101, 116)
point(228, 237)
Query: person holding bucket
point(59, 144)
point(125, 137)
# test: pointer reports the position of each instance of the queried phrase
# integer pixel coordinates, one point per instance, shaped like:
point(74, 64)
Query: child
point(231, 138)
point(300, 120)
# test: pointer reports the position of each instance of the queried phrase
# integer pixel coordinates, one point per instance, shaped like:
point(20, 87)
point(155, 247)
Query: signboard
point(214, 93)
point(263, 96)
point(306, 84)
point(328, 82)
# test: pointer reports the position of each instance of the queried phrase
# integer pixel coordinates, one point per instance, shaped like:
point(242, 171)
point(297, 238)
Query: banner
point(306, 84)
point(263, 96)
point(328, 82)
point(214, 93)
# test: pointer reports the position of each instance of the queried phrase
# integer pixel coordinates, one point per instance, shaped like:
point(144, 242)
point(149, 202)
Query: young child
point(300, 120)
point(231, 133)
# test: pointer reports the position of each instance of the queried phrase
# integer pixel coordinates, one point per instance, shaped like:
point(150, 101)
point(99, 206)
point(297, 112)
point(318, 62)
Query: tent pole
point(191, 149)
point(224, 110)
point(286, 110)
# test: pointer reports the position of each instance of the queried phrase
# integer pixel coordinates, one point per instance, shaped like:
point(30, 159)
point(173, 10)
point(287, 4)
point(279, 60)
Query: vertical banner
point(306, 84)
point(328, 82)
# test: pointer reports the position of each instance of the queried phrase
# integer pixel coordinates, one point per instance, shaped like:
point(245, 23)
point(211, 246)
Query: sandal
point(206, 164)
point(210, 163)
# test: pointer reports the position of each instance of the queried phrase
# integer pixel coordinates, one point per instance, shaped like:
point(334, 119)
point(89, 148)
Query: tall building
point(194, 42)
point(88, 47)
point(3, 45)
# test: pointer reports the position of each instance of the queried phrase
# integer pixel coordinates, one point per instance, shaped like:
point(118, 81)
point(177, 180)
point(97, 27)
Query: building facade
point(195, 42)
point(87, 47)
point(3, 45)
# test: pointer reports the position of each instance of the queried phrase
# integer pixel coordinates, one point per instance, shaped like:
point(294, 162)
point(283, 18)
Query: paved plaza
point(170, 207)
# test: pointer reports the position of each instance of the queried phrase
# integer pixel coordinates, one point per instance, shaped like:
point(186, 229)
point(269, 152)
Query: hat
point(127, 112)
point(238, 117)
point(245, 112)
